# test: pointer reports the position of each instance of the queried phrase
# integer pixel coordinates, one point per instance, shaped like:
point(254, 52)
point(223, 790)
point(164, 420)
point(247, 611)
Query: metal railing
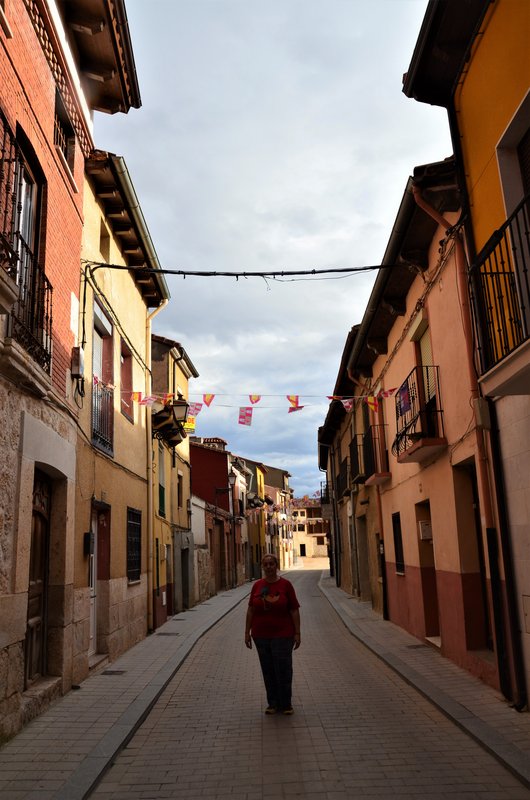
point(500, 289)
point(419, 414)
point(358, 471)
point(343, 478)
point(30, 322)
point(375, 455)
point(103, 418)
point(325, 493)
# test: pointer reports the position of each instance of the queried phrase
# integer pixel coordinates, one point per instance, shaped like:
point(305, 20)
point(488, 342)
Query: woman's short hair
point(271, 555)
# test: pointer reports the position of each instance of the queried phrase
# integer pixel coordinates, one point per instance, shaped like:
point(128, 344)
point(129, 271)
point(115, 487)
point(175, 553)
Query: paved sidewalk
point(61, 754)
point(476, 708)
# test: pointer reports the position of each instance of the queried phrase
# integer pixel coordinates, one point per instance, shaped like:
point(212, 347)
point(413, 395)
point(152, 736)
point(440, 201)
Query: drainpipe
point(519, 689)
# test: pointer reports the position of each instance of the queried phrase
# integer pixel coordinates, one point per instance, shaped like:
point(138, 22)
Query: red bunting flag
point(372, 403)
point(254, 398)
point(295, 408)
point(136, 397)
point(386, 392)
point(208, 398)
point(293, 399)
point(167, 398)
point(245, 415)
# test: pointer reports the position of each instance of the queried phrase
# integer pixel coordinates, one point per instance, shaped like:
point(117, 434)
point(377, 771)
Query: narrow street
point(358, 731)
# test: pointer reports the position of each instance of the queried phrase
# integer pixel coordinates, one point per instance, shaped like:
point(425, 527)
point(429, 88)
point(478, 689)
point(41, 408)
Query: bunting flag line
point(245, 415)
point(208, 398)
point(254, 398)
point(295, 408)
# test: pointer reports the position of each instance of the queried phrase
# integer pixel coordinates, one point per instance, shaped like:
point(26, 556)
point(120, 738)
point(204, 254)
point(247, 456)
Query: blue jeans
point(276, 661)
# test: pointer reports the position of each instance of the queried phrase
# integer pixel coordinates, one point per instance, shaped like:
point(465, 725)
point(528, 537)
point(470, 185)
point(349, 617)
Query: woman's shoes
point(288, 712)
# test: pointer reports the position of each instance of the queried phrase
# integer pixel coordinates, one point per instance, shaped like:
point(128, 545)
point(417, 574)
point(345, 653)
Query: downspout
point(149, 446)
point(519, 690)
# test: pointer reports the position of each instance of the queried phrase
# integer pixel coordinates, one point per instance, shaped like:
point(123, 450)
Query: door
point(92, 584)
point(35, 649)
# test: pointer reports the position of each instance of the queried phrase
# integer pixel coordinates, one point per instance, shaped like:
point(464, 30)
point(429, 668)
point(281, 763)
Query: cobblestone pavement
point(359, 730)
point(355, 733)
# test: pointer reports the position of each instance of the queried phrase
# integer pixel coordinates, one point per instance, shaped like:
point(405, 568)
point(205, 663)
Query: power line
point(215, 274)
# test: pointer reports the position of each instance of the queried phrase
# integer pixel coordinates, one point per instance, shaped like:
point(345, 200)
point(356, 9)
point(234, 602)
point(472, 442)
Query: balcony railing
point(419, 416)
point(30, 321)
point(103, 418)
point(500, 287)
point(375, 455)
point(325, 493)
point(343, 478)
point(358, 471)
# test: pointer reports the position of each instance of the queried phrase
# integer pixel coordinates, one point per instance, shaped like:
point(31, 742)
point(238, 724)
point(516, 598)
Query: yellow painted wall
point(493, 87)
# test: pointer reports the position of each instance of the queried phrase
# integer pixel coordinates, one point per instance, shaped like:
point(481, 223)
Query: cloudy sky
point(273, 135)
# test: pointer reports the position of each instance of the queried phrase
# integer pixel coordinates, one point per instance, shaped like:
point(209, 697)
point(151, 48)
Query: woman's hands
point(297, 641)
point(248, 641)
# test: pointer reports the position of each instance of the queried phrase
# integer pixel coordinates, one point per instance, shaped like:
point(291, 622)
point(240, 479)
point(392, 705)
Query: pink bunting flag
point(386, 392)
point(348, 404)
point(293, 399)
point(149, 400)
point(372, 402)
point(245, 415)
point(208, 398)
point(194, 409)
point(167, 398)
point(254, 398)
point(295, 408)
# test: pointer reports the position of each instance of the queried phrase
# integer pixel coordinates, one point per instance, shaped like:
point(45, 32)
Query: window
point(321, 540)
point(63, 134)
point(134, 544)
point(180, 490)
point(398, 542)
point(126, 382)
point(301, 528)
point(102, 389)
point(161, 481)
point(22, 189)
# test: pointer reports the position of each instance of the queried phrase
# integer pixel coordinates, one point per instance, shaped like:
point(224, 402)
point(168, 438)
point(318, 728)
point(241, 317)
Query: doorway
point(427, 560)
point(36, 628)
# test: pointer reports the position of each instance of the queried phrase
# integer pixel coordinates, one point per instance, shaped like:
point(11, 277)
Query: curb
point(505, 752)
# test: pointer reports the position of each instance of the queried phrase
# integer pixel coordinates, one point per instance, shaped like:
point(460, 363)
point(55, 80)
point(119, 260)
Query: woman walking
point(273, 623)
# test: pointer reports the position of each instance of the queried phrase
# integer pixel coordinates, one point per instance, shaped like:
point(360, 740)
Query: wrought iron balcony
point(325, 493)
point(343, 478)
point(103, 418)
point(29, 300)
point(30, 323)
point(500, 288)
point(419, 417)
point(358, 471)
point(375, 456)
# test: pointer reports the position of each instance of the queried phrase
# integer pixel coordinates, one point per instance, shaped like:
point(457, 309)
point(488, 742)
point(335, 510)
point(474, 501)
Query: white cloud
point(273, 136)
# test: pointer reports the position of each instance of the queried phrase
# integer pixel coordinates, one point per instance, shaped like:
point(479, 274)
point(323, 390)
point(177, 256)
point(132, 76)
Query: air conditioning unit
point(425, 530)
